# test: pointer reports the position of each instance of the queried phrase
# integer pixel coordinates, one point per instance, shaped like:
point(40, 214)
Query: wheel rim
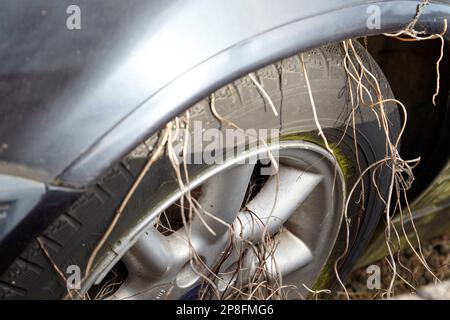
point(304, 221)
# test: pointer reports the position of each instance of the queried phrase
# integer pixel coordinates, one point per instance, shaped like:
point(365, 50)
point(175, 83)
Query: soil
point(437, 254)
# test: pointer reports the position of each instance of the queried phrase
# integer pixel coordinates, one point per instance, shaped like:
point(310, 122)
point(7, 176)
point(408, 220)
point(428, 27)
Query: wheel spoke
point(222, 197)
point(149, 257)
point(270, 209)
point(148, 262)
point(290, 254)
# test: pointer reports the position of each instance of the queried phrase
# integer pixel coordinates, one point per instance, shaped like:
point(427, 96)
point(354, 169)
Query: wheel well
point(410, 68)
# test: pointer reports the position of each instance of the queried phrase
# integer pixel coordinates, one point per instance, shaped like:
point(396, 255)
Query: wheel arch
point(279, 40)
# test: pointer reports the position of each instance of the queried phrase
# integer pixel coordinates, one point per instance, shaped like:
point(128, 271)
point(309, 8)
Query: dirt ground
point(437, 254)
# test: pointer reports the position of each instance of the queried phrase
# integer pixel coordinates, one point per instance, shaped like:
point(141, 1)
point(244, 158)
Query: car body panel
point(75, 101)
point(70, 92)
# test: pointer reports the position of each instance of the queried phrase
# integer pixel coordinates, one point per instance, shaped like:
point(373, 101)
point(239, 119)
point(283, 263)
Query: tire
point(71, 238)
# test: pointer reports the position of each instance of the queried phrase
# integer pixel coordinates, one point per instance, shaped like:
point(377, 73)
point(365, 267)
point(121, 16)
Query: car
point(217, 149)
